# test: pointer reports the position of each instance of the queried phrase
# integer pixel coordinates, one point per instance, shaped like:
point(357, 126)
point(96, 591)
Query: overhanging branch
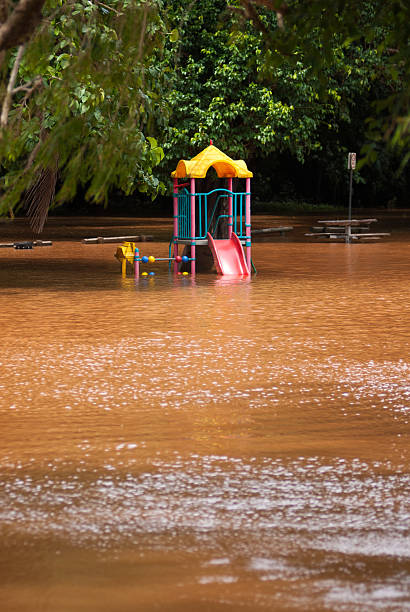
point(10, 88)
point(21, 23)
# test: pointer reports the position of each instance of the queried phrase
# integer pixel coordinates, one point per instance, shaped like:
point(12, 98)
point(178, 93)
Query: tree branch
point(108, 8)
point(142, 35)
point(10, 88)
point(22, 22)
point(273, 5)
point(30, 86)
point(4, 10)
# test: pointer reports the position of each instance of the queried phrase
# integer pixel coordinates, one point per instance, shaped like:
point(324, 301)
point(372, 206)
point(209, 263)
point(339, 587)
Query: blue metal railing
point(184, 214)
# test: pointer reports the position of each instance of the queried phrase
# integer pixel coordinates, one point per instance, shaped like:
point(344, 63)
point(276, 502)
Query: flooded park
point(205, 444)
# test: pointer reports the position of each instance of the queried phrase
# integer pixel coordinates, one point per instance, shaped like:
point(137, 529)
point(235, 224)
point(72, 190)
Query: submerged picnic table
point(272, 230)
point(346, 230)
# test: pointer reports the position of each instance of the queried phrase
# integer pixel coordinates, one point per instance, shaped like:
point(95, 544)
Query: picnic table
point(272, 230)
point(346, 230)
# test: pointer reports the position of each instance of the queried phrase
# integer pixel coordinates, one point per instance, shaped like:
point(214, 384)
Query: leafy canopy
point(93, 91)
point(287, 96)
point(316, 31)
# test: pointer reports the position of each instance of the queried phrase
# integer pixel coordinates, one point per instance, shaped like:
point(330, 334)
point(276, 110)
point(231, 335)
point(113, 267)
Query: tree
point(310, 30)
point(86, 91)
point(220, 90)
point(271, 108)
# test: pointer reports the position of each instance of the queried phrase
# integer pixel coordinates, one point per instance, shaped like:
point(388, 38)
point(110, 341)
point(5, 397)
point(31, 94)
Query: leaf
point(174, 36)
point(152, 142)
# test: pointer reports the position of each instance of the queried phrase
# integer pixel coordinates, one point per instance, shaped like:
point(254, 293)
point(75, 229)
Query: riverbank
point(76, 228)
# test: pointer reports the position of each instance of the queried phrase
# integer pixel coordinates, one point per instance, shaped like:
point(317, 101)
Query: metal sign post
point(351, 165)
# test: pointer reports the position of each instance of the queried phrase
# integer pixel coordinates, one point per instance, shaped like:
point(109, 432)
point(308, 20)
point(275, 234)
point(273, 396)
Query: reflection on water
point(241, 445)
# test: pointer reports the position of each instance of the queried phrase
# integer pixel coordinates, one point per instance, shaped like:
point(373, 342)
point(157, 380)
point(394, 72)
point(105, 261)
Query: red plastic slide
point(228, 256)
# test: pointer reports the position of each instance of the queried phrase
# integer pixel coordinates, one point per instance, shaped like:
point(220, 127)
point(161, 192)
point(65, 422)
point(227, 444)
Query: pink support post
point(175, 246)
point(248, 224)
point(192, 226)
point(136, 263)
point(230, 219)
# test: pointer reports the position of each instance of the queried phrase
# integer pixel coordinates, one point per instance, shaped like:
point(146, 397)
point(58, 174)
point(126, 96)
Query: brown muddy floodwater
point(205, 445)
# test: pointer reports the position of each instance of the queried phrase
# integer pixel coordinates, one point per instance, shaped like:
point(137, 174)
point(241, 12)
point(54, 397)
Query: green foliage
point(302, 94)
point(98, 81)
point(378, 29)
point(101, 93)
point(227, 87)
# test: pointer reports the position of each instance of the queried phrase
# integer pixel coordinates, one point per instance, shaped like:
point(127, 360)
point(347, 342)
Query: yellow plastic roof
point(198, 166)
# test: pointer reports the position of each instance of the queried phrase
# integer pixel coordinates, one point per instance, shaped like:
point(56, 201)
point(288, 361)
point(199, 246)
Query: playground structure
point(219, 218)
point(198, 216)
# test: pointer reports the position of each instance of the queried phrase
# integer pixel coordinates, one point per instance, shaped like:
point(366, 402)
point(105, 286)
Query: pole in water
point(351, 165)
point(136, 263)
